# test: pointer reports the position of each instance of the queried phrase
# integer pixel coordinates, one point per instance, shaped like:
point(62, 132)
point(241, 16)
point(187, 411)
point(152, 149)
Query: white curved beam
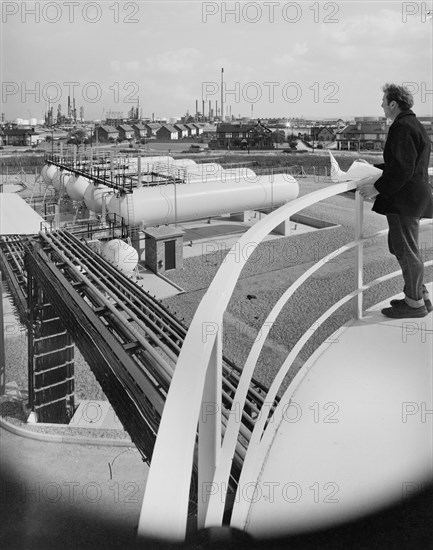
point(168, 483)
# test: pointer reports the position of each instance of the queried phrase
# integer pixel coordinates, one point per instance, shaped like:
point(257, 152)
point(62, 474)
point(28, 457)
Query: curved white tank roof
point(76, 187)
point(56, 179)
point(48, 171)
point(157, 205)
point(94, 195)
point(121, 255)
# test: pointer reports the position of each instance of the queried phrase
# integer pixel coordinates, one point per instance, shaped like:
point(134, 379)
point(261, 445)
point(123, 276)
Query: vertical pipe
point(222, 95)
point(175, 203)
point(111, 164)
point(359, 259)
point(139, 176)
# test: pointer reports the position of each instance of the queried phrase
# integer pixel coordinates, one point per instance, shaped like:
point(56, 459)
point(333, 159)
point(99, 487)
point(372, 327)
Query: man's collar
point(406, 112)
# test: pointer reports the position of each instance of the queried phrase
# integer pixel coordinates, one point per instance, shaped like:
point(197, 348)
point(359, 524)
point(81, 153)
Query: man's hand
point(366, 188)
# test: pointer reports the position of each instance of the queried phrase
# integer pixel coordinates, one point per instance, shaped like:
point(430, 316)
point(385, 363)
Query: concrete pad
point(95, 414)
point(17, 217)
point(69, 496)
point(156, 285)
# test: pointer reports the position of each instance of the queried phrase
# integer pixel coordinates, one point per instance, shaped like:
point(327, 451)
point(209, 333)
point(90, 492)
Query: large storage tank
point(210, 171)
point(121, 255)
point(48, 171)
point(166, 204)
point(56, 179)
point(76, 187)
point(60, 179)
point(94, 196)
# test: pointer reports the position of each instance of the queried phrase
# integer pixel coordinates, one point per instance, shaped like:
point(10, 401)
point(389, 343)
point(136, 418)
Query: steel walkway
point(129, 339)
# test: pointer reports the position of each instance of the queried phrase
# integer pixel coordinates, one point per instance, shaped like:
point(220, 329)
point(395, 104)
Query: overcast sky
point(291, 59)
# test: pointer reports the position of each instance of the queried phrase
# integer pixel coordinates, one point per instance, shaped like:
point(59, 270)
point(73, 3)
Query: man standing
point(404, 196)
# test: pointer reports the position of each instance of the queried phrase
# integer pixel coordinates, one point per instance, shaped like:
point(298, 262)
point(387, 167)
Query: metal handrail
point(194, 396)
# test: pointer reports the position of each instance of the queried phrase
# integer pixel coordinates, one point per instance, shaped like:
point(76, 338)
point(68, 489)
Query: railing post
point(359, 259)
point(209, 428)
point(2, 345)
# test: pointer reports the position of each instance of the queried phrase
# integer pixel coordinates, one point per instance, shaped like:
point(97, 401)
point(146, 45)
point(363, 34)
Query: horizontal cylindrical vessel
point(48, 172)
point(166, 204)
point(94, 195)
point(121, 255)
point(76, 187)
point(55, 180)
point(210, 171)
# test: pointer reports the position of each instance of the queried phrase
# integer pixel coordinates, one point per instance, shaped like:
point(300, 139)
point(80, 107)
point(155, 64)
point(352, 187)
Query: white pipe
point(158, 205)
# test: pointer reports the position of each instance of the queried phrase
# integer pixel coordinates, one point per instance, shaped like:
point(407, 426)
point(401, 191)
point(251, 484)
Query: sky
point(287, 59)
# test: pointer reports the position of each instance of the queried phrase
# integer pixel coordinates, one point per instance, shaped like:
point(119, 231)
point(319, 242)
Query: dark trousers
point(403, 244)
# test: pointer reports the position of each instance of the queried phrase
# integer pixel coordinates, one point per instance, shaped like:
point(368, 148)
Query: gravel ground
point(271, 269)
point(274, 266)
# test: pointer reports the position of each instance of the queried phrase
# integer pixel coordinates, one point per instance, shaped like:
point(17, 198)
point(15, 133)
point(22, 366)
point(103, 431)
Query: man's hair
point(400, 94)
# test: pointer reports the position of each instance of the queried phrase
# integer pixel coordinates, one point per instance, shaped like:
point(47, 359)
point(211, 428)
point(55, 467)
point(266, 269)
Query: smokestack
point(202, 110)
point(210, 110)
point(196, 110)
point(216, 108)
point(222, 94)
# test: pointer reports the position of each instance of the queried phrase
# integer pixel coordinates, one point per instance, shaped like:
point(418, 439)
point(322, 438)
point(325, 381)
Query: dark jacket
point(404, 185)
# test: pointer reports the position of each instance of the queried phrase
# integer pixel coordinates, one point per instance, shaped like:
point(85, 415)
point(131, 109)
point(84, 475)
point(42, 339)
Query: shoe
point(427, 303)
point(401, 310)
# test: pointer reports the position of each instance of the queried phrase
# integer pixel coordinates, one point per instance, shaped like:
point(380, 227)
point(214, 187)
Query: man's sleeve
point(398, 172)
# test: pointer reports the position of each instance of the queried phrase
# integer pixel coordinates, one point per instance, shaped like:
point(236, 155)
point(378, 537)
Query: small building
point(152, 128)
point(199, 127)
point(126, 132)
point(164, 248)
point(140, 131)
point(183, 131)
point(240, 136)
point(322, 133)
point(167, 132)
point(192, 129)
point(106, 134)
point(21, 136)
point(364, 134)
